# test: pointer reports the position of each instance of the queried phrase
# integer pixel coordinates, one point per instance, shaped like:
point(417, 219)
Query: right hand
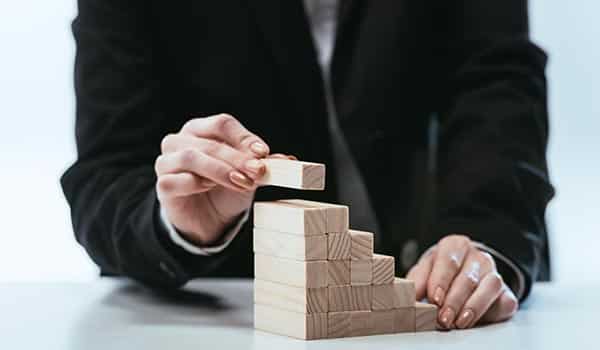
point(206, 175)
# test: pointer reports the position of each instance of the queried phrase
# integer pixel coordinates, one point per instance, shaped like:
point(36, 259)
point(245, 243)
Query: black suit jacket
point(143, 68)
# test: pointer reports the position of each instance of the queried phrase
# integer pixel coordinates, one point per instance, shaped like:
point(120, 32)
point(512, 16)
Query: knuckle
point(496, 281)
point(190, 124)
point(187, 157)
point(166, 142)
point(222, 121)
point(211, 147)
point(157, 164)
point(164, 185)
point(487, 259)
point(511, 305)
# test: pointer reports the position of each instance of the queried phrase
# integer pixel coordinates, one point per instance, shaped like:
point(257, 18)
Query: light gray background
point(36, 138)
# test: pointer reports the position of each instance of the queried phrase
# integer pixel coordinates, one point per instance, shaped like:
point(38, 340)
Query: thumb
point(420, 274)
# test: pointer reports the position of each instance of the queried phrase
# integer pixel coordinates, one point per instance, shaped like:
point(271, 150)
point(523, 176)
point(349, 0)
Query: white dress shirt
point(322, 16)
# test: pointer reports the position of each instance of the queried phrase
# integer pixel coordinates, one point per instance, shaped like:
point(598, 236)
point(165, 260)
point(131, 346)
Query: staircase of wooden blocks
point(315, 278)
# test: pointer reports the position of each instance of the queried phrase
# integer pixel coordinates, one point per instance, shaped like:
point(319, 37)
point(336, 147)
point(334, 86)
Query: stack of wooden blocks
point(315, 278)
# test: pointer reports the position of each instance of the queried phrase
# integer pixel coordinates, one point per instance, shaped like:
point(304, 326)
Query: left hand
point(463, 281)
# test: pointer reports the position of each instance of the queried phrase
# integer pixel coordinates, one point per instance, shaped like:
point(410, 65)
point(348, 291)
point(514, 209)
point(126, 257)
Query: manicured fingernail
point(240, 179)
point(465, 319)
point(259, 148)
point(255, 165)
point(438, 296)
point(447, 317)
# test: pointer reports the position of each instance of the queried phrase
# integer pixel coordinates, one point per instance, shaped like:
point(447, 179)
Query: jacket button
point(409, 255)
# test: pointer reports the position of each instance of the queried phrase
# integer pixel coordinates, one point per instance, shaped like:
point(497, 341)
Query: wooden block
point(401, 293)
point(340, 298)
point(292, 324)
point(383, 269)
point(298, 299)
point(361, 247)
point(307, 274)
point(384, 321)
point(361, 297)
point(285, 245)
point(337, 215)
point(425, 317)
point(293, 174)
point(290, 218)
point(338, 324)
point(338, 272)
point(338, 246)
point(404, 320)
point(361, 271)
point(361, 323)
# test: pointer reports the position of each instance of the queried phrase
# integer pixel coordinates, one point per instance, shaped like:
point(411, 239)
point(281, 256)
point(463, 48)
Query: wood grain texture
point(362, 297)
point(399, 294)
point(383, 269)
point(289, 323)
point(292, 298)
point(425, 317)
point(361, 247)
point(404, 320)
point(340, 298)
point(361, 271)
point(338, 324)
point(307, 274)
point(337, 215)
point(338, 272)
point(290, 218)
point(384, 321)
point(293, 174)
point(285, 245)
point(338, 246)
point(361, 323)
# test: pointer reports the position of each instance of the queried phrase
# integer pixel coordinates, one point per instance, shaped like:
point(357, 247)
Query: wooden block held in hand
point(361, 247)
point(425, 317)
point(293, 174)
point(361, 271)
point(339, 298)
point(297, 299)
point(361, 323)
point(338, 246)
point(336, 214)
point(292, 324)
point(307, 274)
point(338, 324)
point(383, 269)
point(339, 272)
point(401, 293)
point(361, 297)
point(290, 218)
point(285, 245)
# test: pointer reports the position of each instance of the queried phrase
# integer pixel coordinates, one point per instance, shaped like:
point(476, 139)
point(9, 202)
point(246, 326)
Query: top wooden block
point(290, 218)
point(336, 215)
point(294, 174)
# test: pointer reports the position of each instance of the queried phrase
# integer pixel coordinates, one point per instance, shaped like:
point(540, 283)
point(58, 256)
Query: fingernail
point(465, 319)
point(447, 317)
point(259, 148)
point(254, 165)
point(240, 179)
point(438, 296)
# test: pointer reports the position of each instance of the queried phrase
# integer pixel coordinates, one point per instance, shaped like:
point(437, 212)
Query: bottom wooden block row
point(271, 319)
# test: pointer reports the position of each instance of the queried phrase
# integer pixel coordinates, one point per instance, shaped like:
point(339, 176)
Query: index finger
point(449, 259)
point(226, 128)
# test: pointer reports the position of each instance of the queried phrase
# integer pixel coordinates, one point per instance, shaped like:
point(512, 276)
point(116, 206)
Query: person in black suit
point(431, 116)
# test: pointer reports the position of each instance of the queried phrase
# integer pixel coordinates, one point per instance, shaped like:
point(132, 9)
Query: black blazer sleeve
point(119, 125)
point(492, 176)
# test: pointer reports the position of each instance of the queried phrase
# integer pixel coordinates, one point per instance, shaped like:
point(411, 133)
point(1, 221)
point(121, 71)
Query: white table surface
point(119, 314)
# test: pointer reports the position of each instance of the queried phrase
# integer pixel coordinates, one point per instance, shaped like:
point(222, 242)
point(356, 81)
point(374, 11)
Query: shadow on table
point(134, 313)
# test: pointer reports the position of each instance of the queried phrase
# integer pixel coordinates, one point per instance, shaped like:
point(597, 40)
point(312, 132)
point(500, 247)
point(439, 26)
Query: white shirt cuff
point(518, 286)
point(194, 249)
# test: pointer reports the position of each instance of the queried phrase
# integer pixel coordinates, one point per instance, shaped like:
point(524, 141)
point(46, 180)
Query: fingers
point(282, 156)
point(181, 184)
point(476, 265)
point(242, 161)
point(503, 308)
point(204, 166)
point(420, 274)
point(490, 288)
point(226, 128)
point(451, 252)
